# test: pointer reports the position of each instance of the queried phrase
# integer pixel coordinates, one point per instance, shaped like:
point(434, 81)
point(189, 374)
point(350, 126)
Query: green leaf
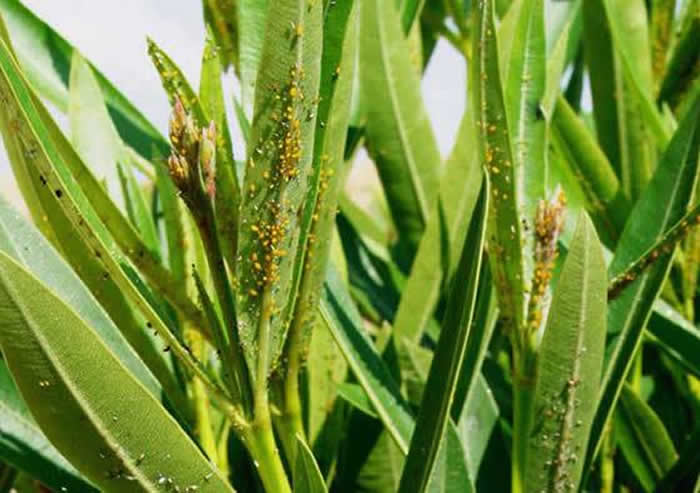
point(525, 83)
point(68, 376)
point(222, 18)
point(47, 157)
point(676, 336)
point(228, 194)
point(173, 221)
point(138, 209)
point(355, 395)
point(605, 80)
point(326, 369)
point(450, 474)
point(278, 169)
point(643, 439)
point(252, 18)
point(627, 21)
point(440, 388)
point(338, 63)
point(660, 32)
point(46, 58)
point(444, 231)
point(506, 242)
point(340, 314)
point(92, 133)
point(24, 445)
point(381, 470)
point(307, 476)
point(570, 360)
point(399, 135)
point(665, 243)
point(580, 154)
point(685, 469)
point(20, 241)
point(663, 203)
point(476, 424)
point(677, 85)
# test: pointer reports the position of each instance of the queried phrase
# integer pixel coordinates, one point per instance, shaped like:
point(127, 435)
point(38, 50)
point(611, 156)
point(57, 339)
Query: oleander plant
point(182, 310)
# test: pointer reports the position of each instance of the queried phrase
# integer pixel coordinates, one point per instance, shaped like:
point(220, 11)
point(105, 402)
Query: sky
point(113, 36)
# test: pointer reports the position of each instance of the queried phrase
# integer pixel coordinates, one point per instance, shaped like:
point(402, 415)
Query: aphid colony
point(279, 151)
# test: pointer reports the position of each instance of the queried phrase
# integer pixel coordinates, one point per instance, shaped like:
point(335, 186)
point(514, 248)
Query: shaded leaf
point(643, 439)
point(434, 414)
point(663, 203)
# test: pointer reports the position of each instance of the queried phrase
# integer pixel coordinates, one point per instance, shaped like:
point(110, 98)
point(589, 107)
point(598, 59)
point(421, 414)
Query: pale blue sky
point(113, 36)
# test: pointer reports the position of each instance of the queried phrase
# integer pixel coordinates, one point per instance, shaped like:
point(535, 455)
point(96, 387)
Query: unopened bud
point(207, 158)
point(178, 120)
point(179, 170)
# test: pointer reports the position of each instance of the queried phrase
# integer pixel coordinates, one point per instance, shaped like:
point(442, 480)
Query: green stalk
point(607, 465)
point(524, 367)
point(200, 399)
point(260, 442)
point(291, 419)
point(260, 438)
point(233, 361)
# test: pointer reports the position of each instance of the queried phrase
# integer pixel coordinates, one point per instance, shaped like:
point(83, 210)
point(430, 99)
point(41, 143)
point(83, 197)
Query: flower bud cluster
point(192, 163)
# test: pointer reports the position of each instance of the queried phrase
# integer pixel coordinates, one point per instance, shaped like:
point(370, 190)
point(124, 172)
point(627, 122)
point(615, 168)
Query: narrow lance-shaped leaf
point(444, 231)
point(660, 31)
point(676, 336)
point(96, 141)
point(680, 83)
point(524, 93)
point(684, 470)
point(46, 59)
point(228, 194)
point(23, 445)
point(504, 236)
point(138, 208)
point(57, 177)
point(276, 181)
point(643, 439)
point(580, 153)
point(673, 186)
point(339, 313)
point(92, 134)
point(20, 241)
point(328, 172)
point(570, 363)
point(128, 441)
point(252, 19)
point(605, 81)
point(444, 373)
point(222, 18)
point(476, 416)
point(398, 131)
point(80, 254)
point(624, 18)
point(307, 476)
point(665, 244)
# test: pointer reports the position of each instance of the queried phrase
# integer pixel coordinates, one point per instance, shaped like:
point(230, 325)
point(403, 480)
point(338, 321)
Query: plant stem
point(607, 465)
point(232, 355)
point(200, 397)
point(260, 441)
point(523, 398)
